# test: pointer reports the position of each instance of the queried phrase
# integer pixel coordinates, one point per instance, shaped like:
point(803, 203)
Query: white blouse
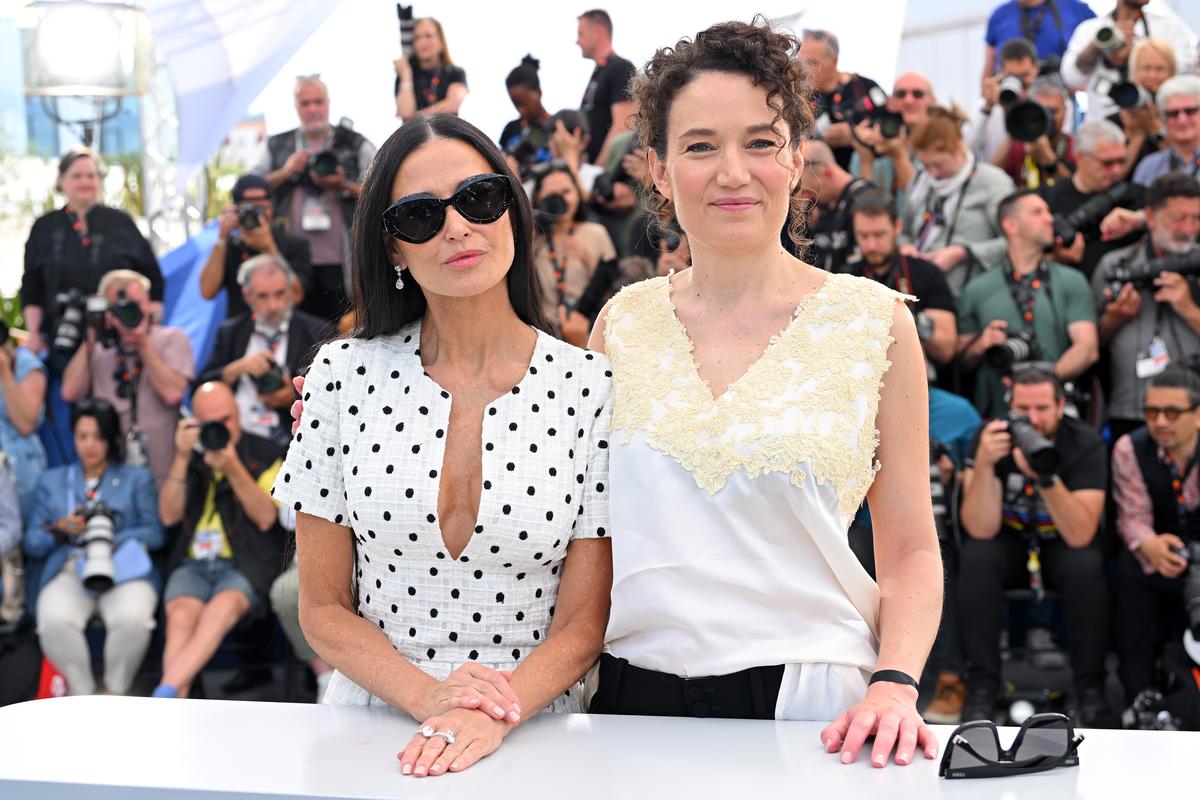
point(368, 456)
point(731, 514)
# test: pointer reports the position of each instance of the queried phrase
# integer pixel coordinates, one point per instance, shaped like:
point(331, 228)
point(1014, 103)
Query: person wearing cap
point(237, 243)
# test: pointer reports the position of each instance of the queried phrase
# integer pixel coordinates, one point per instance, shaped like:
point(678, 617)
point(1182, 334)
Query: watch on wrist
point(1046, 481)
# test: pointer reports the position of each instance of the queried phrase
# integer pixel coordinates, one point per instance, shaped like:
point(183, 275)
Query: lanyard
point(129, 373)
point(1033, 552)
point(1177, 164)
point(91, 495)
point(903, 284)
point(1024, 290)
point(1178, 478)
point(934, 217)
point(560, 266)
point(79, 225)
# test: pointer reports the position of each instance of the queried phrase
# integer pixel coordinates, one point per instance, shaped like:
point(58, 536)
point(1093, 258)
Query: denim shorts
point(204, 580)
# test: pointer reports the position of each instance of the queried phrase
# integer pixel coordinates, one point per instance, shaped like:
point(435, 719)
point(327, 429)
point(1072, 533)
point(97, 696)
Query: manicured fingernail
point(879, 761)
point(454, 766)
point(513, 716)
point(434, 769)
point(903, 758)
point(498, 711)
point(420, 770)
point(406, 769)
point(517, 708)
point(847, 756)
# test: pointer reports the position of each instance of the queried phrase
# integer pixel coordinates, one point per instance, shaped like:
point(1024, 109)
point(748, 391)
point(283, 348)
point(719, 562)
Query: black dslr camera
point(214, 436)
point(1020, 346)
point(1095, 209)
point(248, 217)
point(1038, 450)
point(1143, 275)
point(1190, 552)
point(324, 163)
point(871, 106)
point(605, 183)
point(270, 381)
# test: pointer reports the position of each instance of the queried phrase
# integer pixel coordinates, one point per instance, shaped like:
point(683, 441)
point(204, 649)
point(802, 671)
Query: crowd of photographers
point(1047, 236)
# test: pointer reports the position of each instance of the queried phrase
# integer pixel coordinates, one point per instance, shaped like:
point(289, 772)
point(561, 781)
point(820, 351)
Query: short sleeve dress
point(368, 456)
point(732, 513)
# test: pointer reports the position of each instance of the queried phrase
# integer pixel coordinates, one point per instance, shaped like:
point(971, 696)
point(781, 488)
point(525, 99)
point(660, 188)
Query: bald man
point(231, 547)
point(888, 163)
point(830, 223)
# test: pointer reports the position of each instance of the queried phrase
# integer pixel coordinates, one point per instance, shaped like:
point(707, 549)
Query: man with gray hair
point(316, 173)
point(834, 92)
point(258, 352)
point(1100, 163)
point(141, 368)
point(1178, 102)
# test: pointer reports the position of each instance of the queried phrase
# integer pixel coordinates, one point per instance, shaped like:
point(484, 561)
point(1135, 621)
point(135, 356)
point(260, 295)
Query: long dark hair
point(107, 422)
point(379, 308)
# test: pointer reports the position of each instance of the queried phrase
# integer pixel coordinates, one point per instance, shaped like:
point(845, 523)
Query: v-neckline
point(690, 346)
point(530, 369)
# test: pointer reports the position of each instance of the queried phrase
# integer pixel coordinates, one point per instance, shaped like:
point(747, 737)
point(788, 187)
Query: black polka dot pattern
point(375, 429)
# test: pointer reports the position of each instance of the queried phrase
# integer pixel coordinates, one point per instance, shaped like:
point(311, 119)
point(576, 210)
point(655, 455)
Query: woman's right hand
point(471, 686)
point(71, 525)
point(298, 406)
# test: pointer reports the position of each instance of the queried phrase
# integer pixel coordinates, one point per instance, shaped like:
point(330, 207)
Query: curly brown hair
point(767, 58)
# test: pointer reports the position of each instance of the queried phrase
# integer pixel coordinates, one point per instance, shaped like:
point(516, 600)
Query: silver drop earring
point(399, 276)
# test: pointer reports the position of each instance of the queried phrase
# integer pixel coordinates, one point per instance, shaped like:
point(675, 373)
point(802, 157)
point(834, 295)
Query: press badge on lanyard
point(1154, 359)
point(313, 214)
point(207, 544)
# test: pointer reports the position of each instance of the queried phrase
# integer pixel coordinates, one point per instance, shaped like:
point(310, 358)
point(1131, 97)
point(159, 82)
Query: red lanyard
point(1177, 479)
point(79, 225)
point(1025, 300)
point(560, 267)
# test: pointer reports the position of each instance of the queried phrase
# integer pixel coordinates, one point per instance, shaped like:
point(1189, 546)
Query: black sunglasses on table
point(417, 218)
point(1044, 741)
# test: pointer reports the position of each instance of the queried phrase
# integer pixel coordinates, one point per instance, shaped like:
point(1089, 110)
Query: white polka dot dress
point(368, 455)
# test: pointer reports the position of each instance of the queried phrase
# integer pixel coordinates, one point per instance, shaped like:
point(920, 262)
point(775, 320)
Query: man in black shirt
point(1100, 156)
point(835, 191)
point(876, 228)
point(606, 102)
point(832, 90)
point(1034, 529)
point(237, 244)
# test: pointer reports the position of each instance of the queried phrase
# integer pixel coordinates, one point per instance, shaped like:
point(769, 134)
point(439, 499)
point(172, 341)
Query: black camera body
point(1037, 449)
point(270, 381)
point(534, 147)
point(1093, 210)
point(1027, 121)
point(70, 328)
point(214, 436)
point(323, 163)
point(605, 183)
point(550, 210)
point(4, 332)
point(248, 217)
point(1020, 346)
point(871, 106)
point(1142, 275)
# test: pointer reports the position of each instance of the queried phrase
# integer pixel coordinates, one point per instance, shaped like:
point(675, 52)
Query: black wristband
point(1046, 481)
point(894, 676)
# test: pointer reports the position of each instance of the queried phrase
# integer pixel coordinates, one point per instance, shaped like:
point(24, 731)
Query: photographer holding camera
point(1036, 151)
point(1033, 495)
point(1019, 68)
point(1157, 495)
point(567, 251)
point(246, 229)
point(316, 173)
point(1100, 154)
point(93, 523)
point(232, 545)
point(832, 92)
point(22, 409)
point(427, 79)
point(70, 248)
point(257, 353)
point(527, 138)
point(1178, 102)
point(1098, 56)
point(1026, 308)
point(1047, 23)
point(141, 368)
point(888, 161)
point(1154, 322)
point(876, 229)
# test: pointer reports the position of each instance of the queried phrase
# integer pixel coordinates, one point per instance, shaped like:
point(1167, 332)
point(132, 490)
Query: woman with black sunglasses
point(449, 474)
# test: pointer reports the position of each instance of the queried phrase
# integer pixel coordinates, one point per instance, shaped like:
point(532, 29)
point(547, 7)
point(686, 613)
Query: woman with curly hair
point(756, 401)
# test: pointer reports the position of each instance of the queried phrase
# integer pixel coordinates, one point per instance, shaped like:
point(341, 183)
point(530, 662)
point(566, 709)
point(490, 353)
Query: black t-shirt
point(609, 84)
point(1083, 464)
point(295, 252)
point(826, 102)
point(1063, 198)
point(57, 259)
point(832, 230)
point(914, 276)
point(430, 85)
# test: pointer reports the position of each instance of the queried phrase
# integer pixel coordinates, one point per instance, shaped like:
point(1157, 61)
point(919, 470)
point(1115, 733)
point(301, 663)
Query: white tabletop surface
point(131, 747)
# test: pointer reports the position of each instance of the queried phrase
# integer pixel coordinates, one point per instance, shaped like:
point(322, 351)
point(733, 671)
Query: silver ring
point(447, 735)
point(427, 731)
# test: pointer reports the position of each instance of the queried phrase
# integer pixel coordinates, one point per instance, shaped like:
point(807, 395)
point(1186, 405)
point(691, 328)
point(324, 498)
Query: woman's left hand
point(475, 735)
point(889, 713)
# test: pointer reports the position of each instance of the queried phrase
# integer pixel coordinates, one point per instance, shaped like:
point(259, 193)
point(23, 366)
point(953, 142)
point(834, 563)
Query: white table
point(128, 747)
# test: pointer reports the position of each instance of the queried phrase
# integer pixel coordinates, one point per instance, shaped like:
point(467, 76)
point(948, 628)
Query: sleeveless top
point(730, 543)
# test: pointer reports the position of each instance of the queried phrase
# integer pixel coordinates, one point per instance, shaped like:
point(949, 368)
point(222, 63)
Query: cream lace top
point(730, 514)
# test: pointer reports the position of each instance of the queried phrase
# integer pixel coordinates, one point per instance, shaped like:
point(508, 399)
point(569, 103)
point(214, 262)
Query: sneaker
point(980, 704)
point(948, 697)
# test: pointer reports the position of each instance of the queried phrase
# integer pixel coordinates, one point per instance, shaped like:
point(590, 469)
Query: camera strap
point(1031, 22)
point(1178, 479)
point(1033, 547)
point(79, 225)
point(129, 373)
point(559, 265)
point(74, 474)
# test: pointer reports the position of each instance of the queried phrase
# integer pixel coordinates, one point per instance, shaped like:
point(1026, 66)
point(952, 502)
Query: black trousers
point(1149, 612)
point(626, 689)
point(988, 567)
